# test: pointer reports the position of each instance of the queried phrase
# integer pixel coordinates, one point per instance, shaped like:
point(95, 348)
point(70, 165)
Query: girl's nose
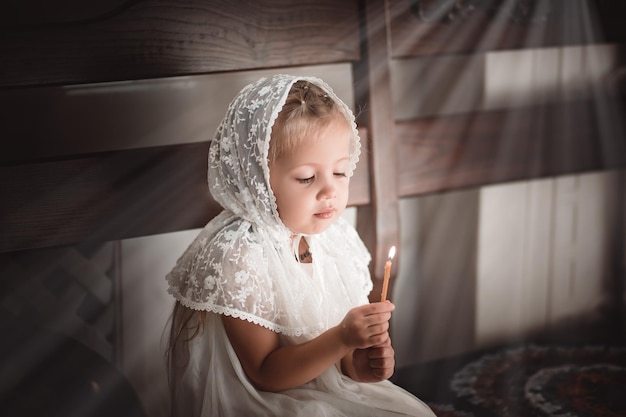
point(327, 191)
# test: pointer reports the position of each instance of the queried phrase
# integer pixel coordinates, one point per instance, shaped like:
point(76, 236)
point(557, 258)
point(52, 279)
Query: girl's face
point(310, 184)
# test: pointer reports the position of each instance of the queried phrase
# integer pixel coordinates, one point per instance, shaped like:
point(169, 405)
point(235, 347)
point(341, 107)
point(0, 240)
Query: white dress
point(243, 264)
point(214, 383)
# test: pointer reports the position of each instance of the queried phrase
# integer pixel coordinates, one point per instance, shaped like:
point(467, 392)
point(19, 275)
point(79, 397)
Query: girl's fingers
point(381, 361)
point(379, 307)
point(379, 328)
point(368, 325)
point(385, 351)
point(379, 339)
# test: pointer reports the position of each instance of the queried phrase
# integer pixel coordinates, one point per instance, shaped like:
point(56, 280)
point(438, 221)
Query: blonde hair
point(185, 324)
point(307, 109)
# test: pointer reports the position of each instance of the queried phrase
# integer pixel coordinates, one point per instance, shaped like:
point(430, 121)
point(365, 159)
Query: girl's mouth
point(326, 214)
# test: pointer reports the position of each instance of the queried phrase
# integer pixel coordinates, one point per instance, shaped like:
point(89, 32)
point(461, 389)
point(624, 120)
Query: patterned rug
point(544, 381)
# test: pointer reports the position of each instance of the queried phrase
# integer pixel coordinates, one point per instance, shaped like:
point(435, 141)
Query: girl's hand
point(367, 325)
point(374, 364)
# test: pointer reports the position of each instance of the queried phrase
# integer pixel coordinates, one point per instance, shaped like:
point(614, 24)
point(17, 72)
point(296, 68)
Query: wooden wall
point(52, 197)
point(47, 204)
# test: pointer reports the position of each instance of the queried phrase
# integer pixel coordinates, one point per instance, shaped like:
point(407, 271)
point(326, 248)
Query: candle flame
point(392, 252)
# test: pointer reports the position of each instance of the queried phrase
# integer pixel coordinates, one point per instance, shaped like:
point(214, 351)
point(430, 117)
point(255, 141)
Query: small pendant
point(304, 255)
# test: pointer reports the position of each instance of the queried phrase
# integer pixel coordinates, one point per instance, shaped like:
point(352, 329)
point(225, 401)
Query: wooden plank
point(378, 222)
point(114, 195)
point(46, 122)
point(153, 38)
point(444, 153)
point(103, 197)
point(430, 27)
point(360, 181)
point(131, 193)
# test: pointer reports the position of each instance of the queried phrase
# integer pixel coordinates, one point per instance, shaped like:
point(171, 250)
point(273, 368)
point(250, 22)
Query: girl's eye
point(340, 174)
point(306, 180)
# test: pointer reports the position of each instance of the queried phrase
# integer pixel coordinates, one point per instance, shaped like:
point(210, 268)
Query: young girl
point(271, 315)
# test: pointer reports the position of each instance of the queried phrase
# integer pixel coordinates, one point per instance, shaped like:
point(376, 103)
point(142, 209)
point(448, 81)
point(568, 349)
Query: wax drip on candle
point(392, 253)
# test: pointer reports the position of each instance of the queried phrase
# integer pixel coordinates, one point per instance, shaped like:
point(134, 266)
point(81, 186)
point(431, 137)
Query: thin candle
point(392, 253)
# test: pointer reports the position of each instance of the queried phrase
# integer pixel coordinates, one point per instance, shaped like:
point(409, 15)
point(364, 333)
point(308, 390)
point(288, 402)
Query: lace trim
point(266, 148)
point(275, 327)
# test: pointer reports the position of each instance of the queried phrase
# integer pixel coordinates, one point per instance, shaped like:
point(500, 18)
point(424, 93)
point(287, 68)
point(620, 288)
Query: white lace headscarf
point(242, 263)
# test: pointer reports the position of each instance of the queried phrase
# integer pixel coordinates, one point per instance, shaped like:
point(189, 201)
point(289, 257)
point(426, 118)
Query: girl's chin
point(313, 230)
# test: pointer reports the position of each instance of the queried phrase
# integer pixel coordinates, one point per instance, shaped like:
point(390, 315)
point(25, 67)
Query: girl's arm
point(272, 367)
